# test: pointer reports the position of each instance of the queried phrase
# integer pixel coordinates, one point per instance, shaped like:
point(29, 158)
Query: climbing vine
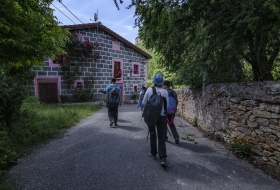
point(78, 52)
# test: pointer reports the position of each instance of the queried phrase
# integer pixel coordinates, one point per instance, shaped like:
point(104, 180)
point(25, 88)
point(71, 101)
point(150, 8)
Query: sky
point(120, 21)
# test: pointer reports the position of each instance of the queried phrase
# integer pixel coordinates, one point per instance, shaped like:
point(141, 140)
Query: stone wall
point(239, 109)
point(100, 70)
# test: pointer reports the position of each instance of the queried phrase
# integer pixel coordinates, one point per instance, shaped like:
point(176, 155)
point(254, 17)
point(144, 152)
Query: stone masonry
point(101, 69)
point(239, 109)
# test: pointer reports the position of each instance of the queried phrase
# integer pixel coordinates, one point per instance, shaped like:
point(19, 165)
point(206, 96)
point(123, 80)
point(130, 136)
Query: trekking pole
point(168, 131)
point(180, 122)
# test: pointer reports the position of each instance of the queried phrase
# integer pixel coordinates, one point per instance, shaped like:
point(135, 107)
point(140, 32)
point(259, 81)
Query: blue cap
point(158, 80)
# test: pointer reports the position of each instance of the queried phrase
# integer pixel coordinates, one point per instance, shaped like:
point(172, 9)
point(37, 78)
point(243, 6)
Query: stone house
point(117, 57)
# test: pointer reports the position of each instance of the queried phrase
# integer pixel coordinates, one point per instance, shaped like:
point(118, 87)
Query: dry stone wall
point(239, 109)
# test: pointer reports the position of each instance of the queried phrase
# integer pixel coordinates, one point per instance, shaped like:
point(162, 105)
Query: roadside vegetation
point(37, 123)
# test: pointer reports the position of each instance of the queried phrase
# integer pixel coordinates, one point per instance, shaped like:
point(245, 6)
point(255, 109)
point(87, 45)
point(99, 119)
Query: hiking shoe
point(152, 156)
point(177, 140)
point(116, 124)
point(163, 162)
point(111, 123)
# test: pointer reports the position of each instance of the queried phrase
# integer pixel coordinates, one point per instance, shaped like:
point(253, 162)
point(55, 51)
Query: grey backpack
point(153, 108)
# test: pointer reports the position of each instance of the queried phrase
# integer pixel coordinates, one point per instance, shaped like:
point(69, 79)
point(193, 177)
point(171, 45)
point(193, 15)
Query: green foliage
point(241, 146)
point(7, 150)
point(37, 123)
point(77, 53)
point(82, 96)
point(10, 99)
point(212, 37)
point(194, 121)
point(63, 98)
point(29, 33)
point(218, 137)
point(135, 96)
point(155, 67)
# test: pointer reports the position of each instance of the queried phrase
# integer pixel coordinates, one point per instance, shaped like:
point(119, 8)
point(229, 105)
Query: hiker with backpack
point(141, 96)
point(155, 103)
point(171, 110)
point(113, 101)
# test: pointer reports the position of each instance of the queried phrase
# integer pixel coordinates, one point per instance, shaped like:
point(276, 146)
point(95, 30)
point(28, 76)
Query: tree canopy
point(29, 33)
point(216, 37)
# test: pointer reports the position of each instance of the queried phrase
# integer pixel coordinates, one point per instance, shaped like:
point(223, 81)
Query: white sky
point(120, 21)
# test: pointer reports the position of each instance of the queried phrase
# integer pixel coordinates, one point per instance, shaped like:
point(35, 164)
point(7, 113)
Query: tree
point(29, 33)
point(215, 37)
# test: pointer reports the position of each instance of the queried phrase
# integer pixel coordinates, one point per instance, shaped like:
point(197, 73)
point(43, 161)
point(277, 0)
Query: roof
point(114, 34)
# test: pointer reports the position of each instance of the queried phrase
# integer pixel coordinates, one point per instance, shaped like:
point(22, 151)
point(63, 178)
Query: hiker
point(141, 96)
point(157, 121)
point(113, 100)
point(171, 110)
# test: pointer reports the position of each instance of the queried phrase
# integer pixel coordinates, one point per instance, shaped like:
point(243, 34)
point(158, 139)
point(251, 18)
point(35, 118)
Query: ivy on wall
point(78, 52)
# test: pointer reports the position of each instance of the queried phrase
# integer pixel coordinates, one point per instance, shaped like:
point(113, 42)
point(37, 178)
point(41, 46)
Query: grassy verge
point(38, 123)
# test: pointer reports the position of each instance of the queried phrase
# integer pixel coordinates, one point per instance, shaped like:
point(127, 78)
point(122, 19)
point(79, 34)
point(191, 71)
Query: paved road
point(93, 156)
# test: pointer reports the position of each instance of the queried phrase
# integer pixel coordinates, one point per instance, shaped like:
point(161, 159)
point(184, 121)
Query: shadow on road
point(130, 128)
point(194, 147)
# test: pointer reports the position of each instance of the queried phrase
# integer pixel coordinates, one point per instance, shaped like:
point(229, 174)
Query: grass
point(37, 124)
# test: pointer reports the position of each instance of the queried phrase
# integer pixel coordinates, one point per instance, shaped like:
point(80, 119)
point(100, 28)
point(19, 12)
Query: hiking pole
point(180, 122)
point(168, 131)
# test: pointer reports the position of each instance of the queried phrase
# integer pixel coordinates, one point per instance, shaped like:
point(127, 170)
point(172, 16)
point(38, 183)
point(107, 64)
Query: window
point(117, 70)
point(79, 85)
point(135, 88)
point(135, 69)
point(116, 45)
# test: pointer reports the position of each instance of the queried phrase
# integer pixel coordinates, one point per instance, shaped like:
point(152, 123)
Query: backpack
point(172, 106)
point(142, 95)
point(153, 108)
point(114, 95)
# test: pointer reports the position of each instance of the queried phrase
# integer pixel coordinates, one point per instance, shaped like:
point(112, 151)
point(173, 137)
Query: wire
point(77, 17)
point(63, 13)
point(72, 13)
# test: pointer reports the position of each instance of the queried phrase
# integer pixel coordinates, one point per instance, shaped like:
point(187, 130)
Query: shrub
point(32, 100)
point(7, 151)
point(241, 146)
point(80, 97)
point(218, 137)
point(63, 98)
point(194, 121)
point(134, 96)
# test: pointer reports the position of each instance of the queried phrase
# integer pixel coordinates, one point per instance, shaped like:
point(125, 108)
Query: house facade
point(113, 57)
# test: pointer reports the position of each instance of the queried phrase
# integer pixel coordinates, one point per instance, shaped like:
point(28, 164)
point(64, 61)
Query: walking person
point(155, 118)
point(141, 96)
point(171, 110)
point(113, 101)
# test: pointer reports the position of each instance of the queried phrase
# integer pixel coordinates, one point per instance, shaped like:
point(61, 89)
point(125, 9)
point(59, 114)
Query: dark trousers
point(113, 112)
point(159, 136)
point(170, 122)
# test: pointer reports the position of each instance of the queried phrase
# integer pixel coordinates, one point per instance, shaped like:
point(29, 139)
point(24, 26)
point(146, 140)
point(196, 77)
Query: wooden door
point(48, 92)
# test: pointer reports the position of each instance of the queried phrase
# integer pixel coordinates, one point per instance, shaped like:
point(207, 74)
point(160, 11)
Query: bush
point(36, 124)
point(32, 100)
point(241, 146)
point(63, 98)
point(80, 97)
point(218, 137)
point(194, 121)
point(7, 151)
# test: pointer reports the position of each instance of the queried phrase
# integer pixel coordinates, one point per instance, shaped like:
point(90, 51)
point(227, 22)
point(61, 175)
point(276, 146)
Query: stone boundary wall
point(239, 109)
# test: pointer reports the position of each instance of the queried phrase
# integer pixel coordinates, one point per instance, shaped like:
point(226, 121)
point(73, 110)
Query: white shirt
point(160, 91)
